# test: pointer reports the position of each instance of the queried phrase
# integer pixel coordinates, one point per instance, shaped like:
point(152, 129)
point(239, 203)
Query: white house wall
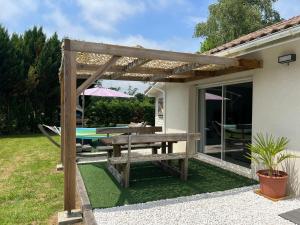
point(276, 101)
point(177, 107)
point(159, 121)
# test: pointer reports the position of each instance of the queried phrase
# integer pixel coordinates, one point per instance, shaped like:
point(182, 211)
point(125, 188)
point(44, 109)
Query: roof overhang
point(96, 61)
point(271, 40)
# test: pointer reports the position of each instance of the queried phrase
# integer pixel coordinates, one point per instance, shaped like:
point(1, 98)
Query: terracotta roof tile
point(285, 24)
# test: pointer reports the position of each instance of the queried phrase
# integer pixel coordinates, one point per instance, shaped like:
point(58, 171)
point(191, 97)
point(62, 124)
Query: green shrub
point(105, 112)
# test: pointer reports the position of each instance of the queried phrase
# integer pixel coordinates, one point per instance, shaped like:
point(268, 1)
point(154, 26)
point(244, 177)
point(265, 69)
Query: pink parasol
point(101, 92)
point(105, 92)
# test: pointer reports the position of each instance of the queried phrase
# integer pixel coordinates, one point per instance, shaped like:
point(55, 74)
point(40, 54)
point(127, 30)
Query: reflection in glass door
point(237, 122)
point(213, 117)
point(226, 122)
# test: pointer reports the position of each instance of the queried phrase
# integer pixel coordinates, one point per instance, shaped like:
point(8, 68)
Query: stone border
point(243, 171)
point(86, 208)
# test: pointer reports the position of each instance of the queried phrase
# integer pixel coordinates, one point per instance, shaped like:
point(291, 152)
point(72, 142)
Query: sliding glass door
point(225, 114)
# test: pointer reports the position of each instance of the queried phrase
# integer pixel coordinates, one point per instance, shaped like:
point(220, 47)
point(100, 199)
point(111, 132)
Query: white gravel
point(236, 206)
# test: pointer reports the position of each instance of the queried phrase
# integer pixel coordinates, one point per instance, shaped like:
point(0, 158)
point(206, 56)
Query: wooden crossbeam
point(250, 63)
point(217, 73)
point(97, 74)
point(186, 68)
point(116, 68)
point(156, 78)
point(134, 64)
point(245, 63)
point(99, 48)
point(162, 78)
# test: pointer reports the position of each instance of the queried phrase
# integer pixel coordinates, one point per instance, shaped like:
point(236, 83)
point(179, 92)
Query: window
point(160, 107)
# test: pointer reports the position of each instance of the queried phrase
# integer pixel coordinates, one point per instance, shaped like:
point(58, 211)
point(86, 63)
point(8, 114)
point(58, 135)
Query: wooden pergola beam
point(89, 68)
point(99, 48)
point(229, 70)
point(134, 64)
point(186, 68)
point(161, 78)
point(97, 75)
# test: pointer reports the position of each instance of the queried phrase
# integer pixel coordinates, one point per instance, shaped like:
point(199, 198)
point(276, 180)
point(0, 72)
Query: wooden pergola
point(94, 61)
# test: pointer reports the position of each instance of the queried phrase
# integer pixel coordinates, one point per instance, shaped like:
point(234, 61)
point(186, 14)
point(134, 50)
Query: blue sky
point(162, 24)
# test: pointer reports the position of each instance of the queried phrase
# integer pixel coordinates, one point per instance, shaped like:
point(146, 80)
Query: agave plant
point(269, 151)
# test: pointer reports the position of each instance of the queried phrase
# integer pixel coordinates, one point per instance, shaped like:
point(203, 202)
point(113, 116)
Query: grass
point(149, 183)
point(31, 191)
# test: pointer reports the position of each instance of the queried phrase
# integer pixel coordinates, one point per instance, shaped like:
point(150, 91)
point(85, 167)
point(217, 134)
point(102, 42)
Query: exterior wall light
point(287, 58)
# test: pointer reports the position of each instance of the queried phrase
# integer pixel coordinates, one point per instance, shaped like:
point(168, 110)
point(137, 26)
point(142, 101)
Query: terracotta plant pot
point(273, 186)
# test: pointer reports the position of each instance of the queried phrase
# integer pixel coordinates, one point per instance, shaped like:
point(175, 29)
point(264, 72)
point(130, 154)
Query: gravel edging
point(235, 206)
point(177, 200)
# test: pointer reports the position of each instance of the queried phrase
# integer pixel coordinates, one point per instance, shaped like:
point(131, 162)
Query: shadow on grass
point(24, 136)
point(150, 183)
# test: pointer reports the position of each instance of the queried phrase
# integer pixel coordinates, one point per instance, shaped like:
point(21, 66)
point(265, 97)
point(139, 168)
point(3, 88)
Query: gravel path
point(236, 206)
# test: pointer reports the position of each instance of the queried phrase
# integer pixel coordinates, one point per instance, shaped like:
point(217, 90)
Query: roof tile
point(282, 25)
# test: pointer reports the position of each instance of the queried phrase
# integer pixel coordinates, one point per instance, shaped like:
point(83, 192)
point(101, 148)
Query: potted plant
point(270, 151)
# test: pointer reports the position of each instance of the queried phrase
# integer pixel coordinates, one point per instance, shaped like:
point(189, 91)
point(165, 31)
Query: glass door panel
point(237, 122)
point(212, 121)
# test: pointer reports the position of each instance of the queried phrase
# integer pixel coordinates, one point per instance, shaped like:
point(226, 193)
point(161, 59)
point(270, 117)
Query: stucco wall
point(177, 107)
point(276, 95)
point(159, 120)
point(276, 102)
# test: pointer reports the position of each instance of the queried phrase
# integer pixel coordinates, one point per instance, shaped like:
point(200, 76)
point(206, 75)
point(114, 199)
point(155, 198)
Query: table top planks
point(113, 130)
point(151, 138)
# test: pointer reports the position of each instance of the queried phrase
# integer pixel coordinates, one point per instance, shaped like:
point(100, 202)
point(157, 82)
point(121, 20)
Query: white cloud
point(163, 4)
point(191, 21)
point(11, 11)
point(105, 15)
point(288, 9)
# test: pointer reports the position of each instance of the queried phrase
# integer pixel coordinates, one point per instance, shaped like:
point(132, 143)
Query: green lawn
point(31, 191)
point(149, 183)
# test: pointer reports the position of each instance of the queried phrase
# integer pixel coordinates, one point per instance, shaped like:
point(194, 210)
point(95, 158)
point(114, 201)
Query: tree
point(29, 86)
point(8, 79)
point(48, 83)
point(230, 19)
point(131, 90)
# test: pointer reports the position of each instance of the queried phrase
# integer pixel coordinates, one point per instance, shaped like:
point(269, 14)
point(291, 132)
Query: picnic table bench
point(119, 165)
point(126, 130)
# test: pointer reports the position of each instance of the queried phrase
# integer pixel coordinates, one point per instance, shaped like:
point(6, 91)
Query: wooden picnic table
point(128, 130)
point(119, 165)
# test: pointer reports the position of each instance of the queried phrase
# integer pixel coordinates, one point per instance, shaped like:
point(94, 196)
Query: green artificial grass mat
point(149, 183)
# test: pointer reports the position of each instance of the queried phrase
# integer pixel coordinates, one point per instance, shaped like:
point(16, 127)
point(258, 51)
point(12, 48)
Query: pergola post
point(68, 136)
point(62, 115)
point(69, 131)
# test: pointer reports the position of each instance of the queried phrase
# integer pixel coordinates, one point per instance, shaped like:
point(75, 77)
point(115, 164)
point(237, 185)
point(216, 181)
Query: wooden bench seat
point(133, 147)
point(91, 154)
point(147, 158)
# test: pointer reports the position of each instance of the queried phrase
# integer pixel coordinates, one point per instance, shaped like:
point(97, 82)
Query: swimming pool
point(89, 133)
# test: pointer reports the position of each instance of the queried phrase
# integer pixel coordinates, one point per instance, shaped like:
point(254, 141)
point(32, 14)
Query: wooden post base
point(65, 218)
